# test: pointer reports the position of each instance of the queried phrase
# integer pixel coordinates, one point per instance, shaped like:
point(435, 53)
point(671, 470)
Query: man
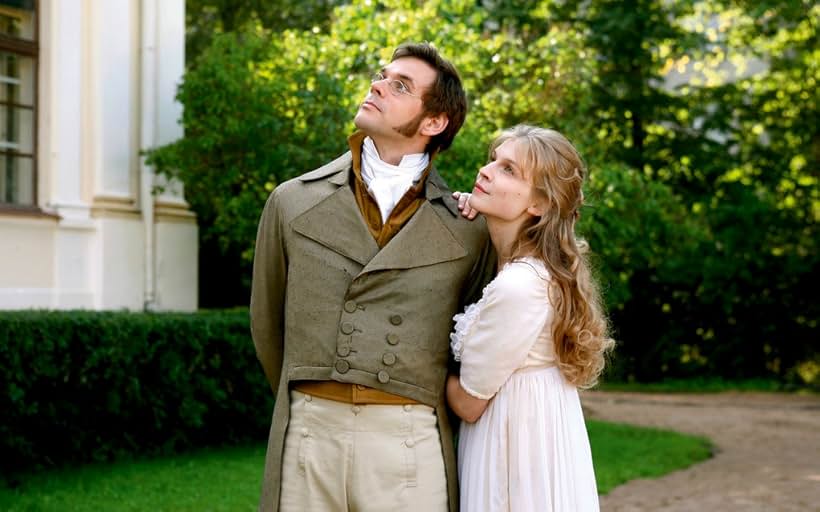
point(360, 266)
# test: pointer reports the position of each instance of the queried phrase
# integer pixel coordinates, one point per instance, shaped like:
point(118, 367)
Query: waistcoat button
point(347, 327)
point(350, 306)
point(383, 377)
point(392, 338)
point(395, 319)
point(389, 358)
point(343, 351)
point(342, 366)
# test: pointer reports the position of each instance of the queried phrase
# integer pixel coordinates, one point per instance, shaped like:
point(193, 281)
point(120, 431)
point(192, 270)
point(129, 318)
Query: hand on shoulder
point(464, 205)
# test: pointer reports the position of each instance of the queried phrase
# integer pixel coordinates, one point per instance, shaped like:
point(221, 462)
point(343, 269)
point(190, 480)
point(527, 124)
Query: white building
point(85, 85)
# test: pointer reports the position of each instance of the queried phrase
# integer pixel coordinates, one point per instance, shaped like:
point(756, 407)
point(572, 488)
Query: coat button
point(389, 358)
point(395, 319)
point(392, 338)
point(305, 432)
point(347, 327)
point(383, 376)
point(342, 366)
point(343, 351)
point(410, 443)
point(360, 387)
point(350, 306)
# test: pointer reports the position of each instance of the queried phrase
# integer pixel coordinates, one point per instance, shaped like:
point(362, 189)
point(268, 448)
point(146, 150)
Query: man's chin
point(359, 120)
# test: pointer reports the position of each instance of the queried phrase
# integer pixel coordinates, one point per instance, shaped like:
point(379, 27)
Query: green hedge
point(89, 386)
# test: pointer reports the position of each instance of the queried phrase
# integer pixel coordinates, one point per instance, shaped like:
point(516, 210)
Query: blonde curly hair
point(580, 329)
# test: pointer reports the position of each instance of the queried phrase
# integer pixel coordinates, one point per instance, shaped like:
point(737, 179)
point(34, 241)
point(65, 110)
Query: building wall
point(108, 71)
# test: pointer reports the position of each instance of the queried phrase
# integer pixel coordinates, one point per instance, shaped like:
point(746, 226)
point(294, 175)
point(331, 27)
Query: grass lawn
point(229, 479)
point(623, 452)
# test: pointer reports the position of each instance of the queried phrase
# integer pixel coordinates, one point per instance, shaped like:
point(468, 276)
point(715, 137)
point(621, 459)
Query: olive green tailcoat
point(328, 304)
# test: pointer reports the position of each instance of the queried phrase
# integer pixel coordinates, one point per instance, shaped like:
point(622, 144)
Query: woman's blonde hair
point(556, 170)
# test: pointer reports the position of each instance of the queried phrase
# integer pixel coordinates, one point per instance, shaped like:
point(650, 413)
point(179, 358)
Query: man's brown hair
point(445, 95)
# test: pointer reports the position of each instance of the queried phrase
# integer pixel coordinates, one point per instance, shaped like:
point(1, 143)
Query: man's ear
point(432, 126)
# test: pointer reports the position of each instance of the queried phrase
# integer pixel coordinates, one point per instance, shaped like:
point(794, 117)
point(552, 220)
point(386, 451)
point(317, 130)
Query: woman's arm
point(466, 406)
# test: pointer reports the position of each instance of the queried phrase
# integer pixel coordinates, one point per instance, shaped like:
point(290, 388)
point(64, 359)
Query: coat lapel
point(424, 240)
point(336, 223)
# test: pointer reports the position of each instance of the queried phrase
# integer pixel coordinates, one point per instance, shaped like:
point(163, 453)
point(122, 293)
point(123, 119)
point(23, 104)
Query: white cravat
point(388, 183)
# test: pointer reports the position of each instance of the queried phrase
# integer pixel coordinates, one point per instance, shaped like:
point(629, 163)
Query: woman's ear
point(538, 206)
point(536, 210)
point(434, 125)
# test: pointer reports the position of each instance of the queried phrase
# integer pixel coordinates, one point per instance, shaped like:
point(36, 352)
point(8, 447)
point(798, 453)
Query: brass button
point(342, 366)
point(389, 359)
point(347, 327)
point(383, 377)
point(343, 351)
point(392, 338)
point(350, 306)
point(395, 319)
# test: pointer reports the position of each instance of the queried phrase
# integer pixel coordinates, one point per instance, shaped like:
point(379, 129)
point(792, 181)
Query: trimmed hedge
point(85, 386)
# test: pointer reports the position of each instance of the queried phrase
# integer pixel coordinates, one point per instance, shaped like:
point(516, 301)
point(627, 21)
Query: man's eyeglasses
point(397, 87)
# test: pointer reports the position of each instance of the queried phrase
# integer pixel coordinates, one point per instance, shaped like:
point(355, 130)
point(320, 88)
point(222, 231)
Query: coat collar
point(338, 172)
point(336, 223)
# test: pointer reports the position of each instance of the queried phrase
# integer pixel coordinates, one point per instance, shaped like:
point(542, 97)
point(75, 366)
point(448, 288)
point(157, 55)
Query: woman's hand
point(464, 205)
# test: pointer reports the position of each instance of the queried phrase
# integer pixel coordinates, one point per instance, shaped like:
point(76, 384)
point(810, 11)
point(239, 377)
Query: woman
point(537, 334)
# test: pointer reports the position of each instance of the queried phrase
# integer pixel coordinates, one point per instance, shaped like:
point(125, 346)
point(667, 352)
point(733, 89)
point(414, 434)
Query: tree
point(703, 197)
point(205, 19)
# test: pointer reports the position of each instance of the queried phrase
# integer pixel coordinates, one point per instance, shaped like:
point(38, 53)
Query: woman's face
point(503, 189)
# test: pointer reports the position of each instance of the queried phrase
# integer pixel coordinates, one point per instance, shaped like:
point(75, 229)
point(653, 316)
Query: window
point(18, 94)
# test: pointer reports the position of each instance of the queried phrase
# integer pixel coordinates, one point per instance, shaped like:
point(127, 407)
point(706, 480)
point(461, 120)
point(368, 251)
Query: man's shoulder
point(441, 197)
point(297, 194)
point(334, 172)
point(330, 169)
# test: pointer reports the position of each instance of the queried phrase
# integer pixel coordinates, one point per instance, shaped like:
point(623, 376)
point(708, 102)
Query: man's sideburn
point(411, 127)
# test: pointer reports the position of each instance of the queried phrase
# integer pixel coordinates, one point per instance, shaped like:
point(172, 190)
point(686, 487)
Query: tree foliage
point(204, 19)
point(698, 120)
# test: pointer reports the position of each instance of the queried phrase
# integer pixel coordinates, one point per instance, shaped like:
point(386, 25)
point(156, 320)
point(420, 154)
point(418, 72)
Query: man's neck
point(392, 153)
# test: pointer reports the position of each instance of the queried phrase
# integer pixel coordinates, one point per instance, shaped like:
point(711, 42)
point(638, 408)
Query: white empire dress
point(529, 451)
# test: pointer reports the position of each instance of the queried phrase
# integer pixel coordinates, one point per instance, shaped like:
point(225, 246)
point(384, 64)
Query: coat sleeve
point(268, 291)
point(482, 273)
point(512, 315)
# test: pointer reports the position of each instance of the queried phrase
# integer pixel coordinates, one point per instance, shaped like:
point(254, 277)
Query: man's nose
point(378, 86)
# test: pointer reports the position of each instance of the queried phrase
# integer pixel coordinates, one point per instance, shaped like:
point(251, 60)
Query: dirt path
point(767, 451)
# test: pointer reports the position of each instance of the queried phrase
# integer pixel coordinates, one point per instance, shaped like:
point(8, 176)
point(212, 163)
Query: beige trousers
point(361, 458)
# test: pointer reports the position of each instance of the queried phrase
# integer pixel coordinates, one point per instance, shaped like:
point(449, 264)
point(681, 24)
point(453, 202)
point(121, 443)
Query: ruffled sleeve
point(493, 337)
